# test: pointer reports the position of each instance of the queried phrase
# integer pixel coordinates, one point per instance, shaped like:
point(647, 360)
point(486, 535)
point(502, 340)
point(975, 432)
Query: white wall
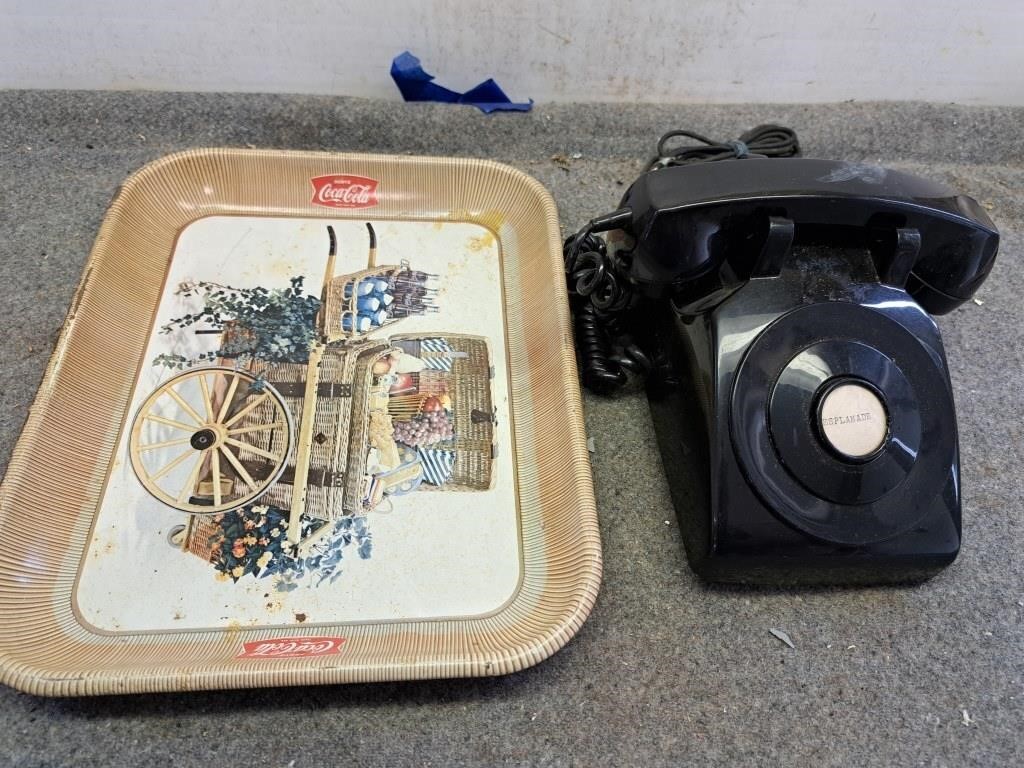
point(573, 50)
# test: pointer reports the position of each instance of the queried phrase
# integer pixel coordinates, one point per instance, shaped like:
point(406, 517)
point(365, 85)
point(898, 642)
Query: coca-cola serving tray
point(313, 418)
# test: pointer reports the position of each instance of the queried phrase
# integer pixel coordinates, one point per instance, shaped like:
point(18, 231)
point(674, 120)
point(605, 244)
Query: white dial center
point(853, 420)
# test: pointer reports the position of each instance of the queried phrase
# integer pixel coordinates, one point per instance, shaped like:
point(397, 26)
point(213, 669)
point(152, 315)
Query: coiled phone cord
point(599, 292)
point(596, 295)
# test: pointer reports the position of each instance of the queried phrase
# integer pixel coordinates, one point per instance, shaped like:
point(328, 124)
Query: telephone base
point(807, 429)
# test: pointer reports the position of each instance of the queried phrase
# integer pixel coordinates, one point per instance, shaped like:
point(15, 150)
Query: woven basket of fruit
point(444, 410)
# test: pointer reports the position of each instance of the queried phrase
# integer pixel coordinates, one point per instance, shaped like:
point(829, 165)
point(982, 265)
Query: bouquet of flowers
point(253, 540)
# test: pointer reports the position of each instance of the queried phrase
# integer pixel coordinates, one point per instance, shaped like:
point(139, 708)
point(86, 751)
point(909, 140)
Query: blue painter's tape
point(417, 85)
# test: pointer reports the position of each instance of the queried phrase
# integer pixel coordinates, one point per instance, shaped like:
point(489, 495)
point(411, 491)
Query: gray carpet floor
point(667, 670)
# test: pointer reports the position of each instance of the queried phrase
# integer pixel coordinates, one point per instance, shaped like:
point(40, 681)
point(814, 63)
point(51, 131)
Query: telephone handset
point(798, 386)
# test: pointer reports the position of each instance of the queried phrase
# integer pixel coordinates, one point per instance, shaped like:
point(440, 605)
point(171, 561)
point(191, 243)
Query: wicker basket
point(327, 481)
point(469, 386)
point(336, 305)
point(358, 437)
point(200, 536)
point(474, 409)
point(329, 446)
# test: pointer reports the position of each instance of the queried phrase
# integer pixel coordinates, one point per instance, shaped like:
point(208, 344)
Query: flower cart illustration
point(307, 408)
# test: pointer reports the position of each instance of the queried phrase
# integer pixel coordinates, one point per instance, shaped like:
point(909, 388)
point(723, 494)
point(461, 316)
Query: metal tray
point(238, 473)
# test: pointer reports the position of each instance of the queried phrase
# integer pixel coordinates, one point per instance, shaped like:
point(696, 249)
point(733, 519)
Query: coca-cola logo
point(344, 191)
point(291, 647)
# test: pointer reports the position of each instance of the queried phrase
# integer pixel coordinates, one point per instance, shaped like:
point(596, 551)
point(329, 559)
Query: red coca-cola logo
point(291, 647)
point(344, 191)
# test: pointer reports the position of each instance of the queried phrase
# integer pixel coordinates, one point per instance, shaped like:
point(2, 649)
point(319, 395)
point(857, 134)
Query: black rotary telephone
point(798, 386)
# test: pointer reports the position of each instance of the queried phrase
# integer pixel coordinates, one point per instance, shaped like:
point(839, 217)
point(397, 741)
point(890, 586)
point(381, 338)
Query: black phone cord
point(598, 298)
point(600, 294)
point(766, 140)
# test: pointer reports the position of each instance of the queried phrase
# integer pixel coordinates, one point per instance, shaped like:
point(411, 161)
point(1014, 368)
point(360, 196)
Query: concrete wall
point(604, 50)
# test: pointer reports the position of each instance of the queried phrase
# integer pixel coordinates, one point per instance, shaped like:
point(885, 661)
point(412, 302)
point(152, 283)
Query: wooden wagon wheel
point(210, 440)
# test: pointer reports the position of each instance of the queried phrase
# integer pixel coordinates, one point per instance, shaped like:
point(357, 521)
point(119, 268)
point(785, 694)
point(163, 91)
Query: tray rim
point(40, 680)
